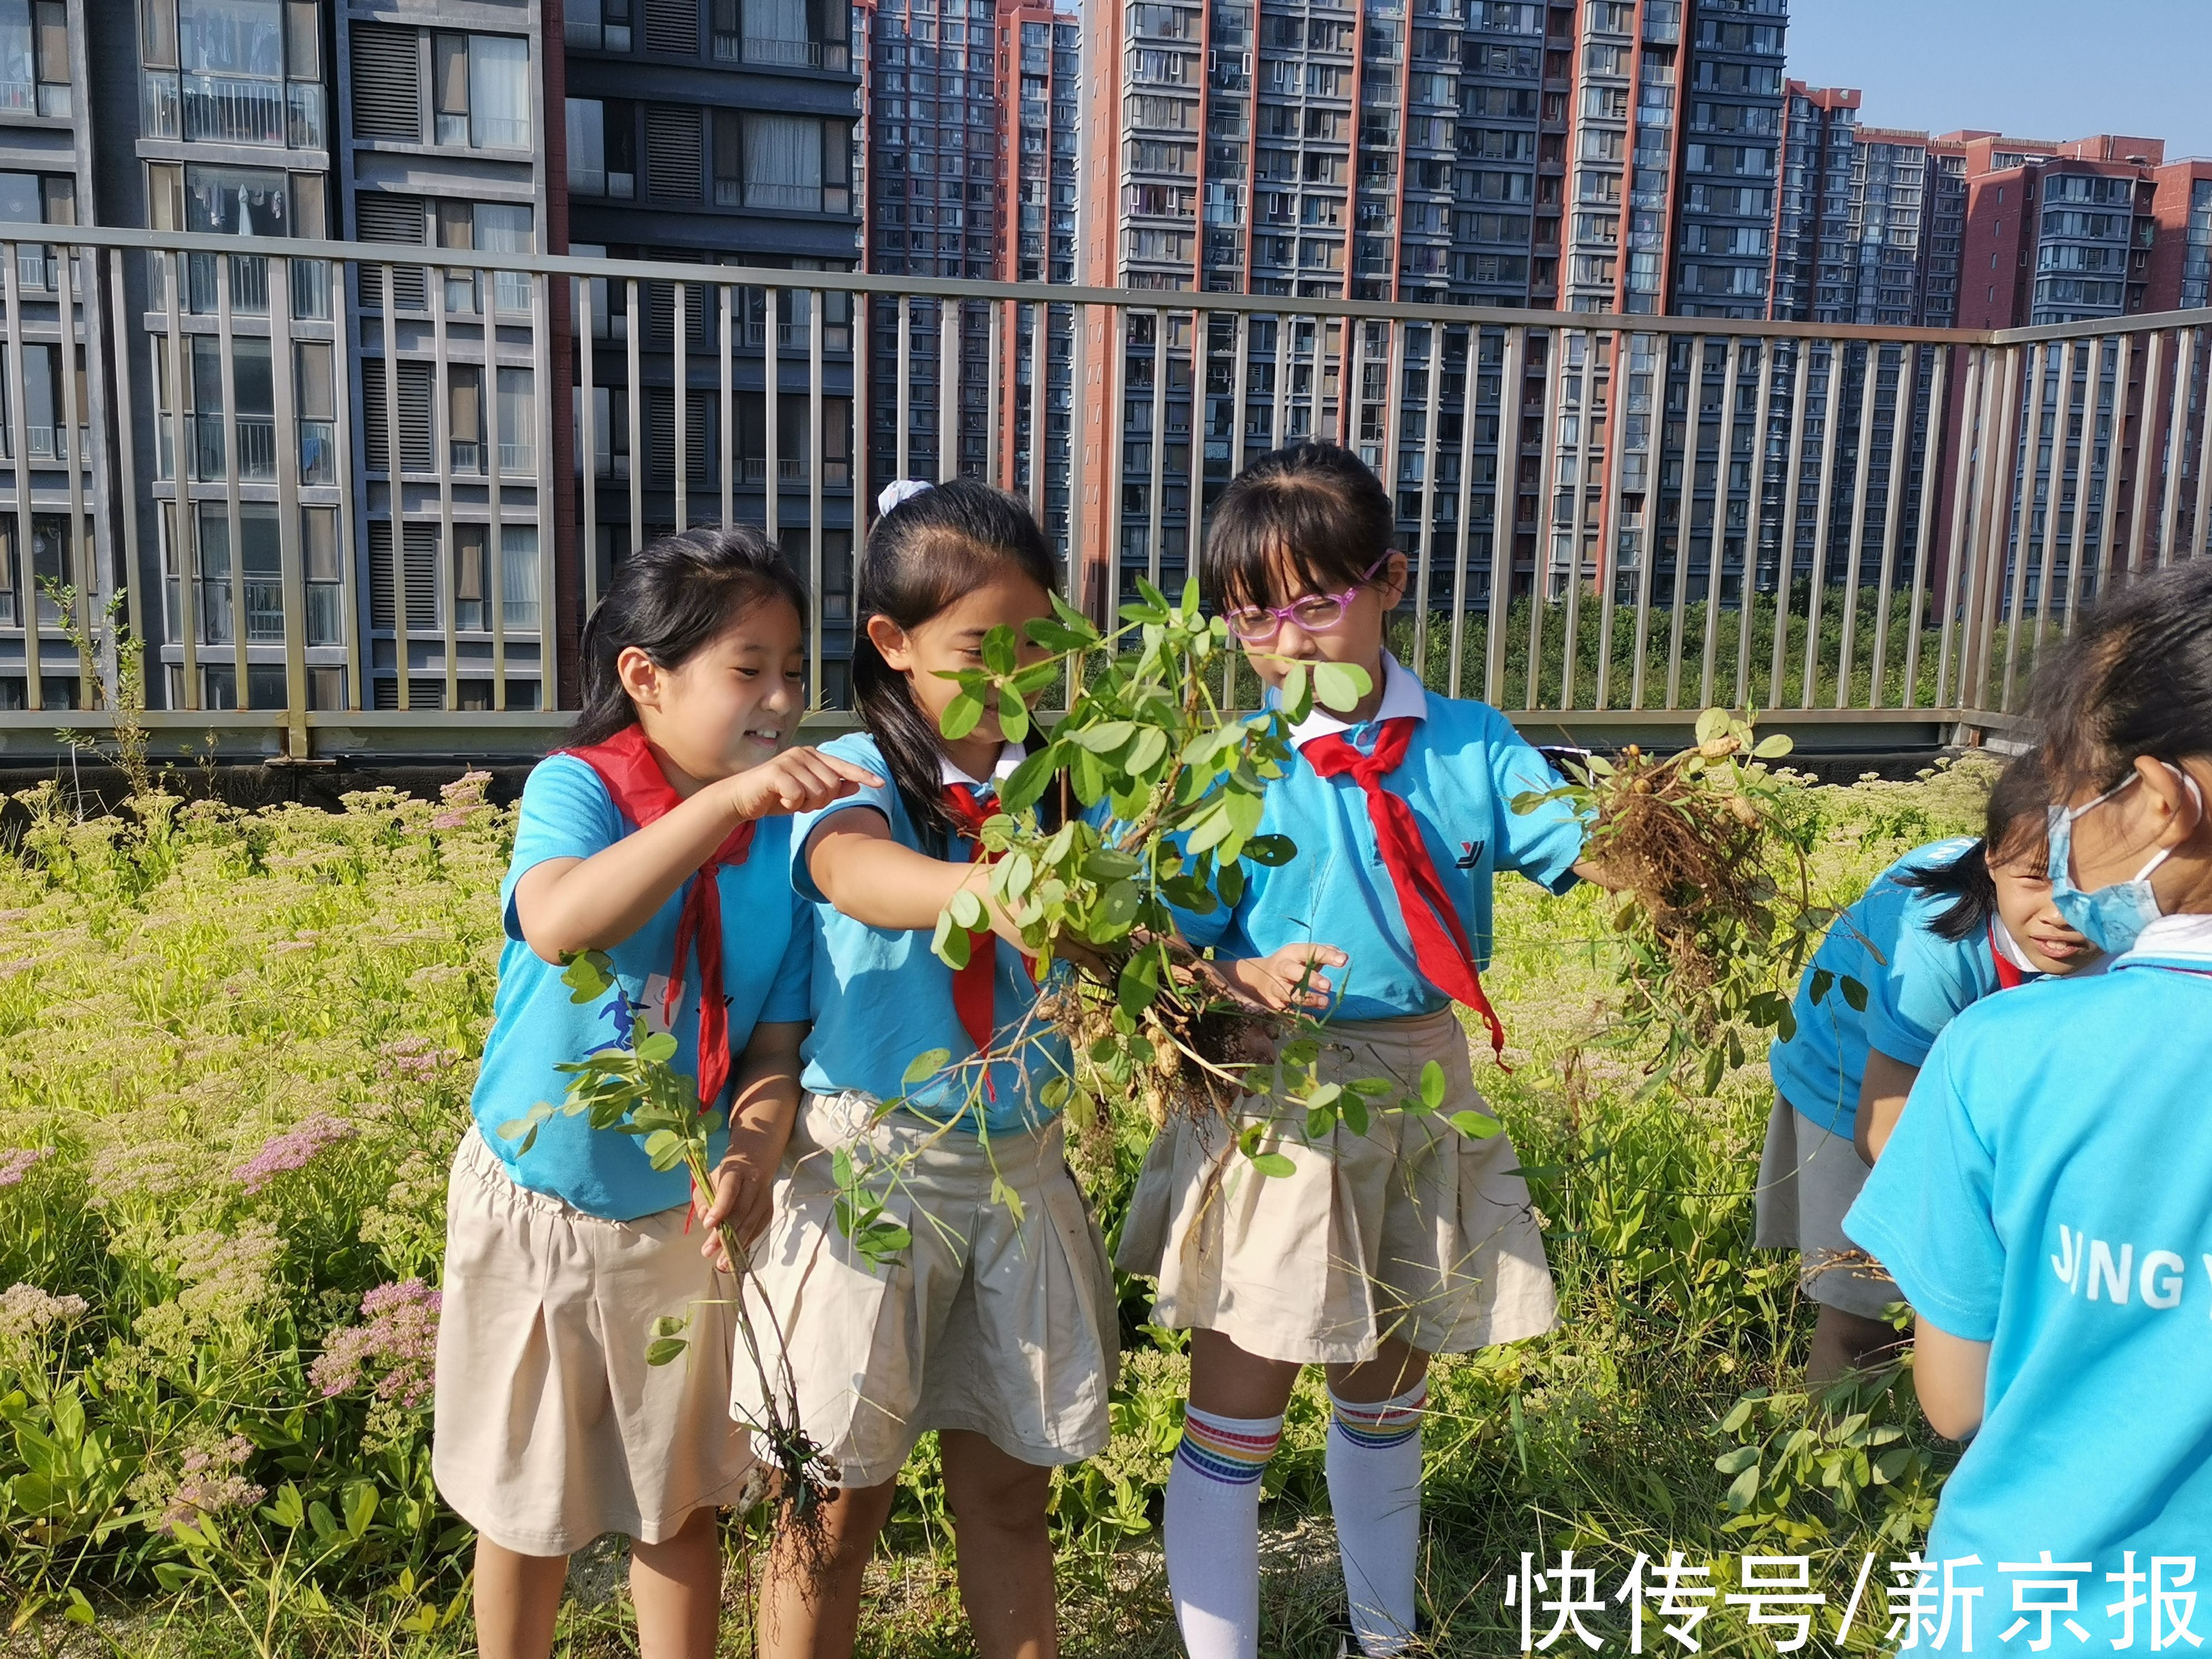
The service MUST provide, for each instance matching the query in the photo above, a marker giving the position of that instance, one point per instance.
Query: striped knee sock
(1374, 1462)
(1213, 1531)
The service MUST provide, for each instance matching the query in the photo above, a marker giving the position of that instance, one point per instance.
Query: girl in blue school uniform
(1411, 1239)
(1944, 926)
(656, 837)
(995, 1324)
(2045, 1200)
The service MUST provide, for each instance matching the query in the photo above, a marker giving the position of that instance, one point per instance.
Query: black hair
(1316, 508)
(920, 557)
(2013, 827)
(2134, 679)
(670, 599)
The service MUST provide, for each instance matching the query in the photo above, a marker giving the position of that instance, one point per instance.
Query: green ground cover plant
(235, 1054)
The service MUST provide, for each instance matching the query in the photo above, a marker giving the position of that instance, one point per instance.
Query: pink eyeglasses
(1316, 613)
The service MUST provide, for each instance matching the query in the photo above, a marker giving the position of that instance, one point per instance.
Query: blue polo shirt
(882, 999)
(1461, 770)
(1916, 980)
(2049, 1191)
(767, 954)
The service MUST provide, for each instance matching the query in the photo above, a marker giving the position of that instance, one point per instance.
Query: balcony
(1763, 520)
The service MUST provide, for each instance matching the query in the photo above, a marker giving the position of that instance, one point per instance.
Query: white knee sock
(1375, 1488)
(1213, 1531)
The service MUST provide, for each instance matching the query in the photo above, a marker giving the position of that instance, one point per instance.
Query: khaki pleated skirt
(1412, 1229)
(551, 1429)
(1808, 1178)
(1000, 1324)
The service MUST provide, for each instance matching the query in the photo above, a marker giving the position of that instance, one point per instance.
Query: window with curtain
(232, 37)
(19, 87)
(504, 227)
(783, 161)
(518, 574)
(517, 409)
(775, 31)
(499, 91)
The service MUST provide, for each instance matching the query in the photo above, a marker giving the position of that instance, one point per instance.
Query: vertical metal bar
(442, 454)
(1431, 418)
(1831, 457)
(1502, 513)
(1870, 387)
(1754, 517)
(1990, 548)
(2177, 439)
(2062, 426)
(816, 324)
(230, 471)
(998, 465)
(1393, 469)
(1110, 493)
(587, 445)
(1663, 365)
(727, 459)
(860, 328)
(292, 582)
(1923, 554)
(948, 390)
(1578, 522)
(1793, 487)
(2090, 355)
(1965, 470)
(1200, 515)
(1464, 525)
(634, 393)
(2141, 510)
(1610, 531)
(186, 528)
(82, 567)
(2123, 353)
(680, 378)
(541, 362)
(1240, 391)
(1900, 427)
(1351, 394)
(2016, 543)
(1159, 449)
(1555, 375)
(1716, 551)
(2197, 532)
(772, 416)
(905, 384)
(1693, 439)
(1040, 327)
(1285, 335)
(27, 560)
(495, 470)
(127, 445)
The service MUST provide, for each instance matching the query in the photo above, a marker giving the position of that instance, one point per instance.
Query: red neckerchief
(643, 794)
(1440, 942)
(973, 986)
(2009, 973)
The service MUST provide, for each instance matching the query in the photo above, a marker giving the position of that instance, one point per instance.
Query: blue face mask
(2111, 918)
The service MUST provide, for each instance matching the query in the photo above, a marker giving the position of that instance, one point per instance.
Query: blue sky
(2035, 69)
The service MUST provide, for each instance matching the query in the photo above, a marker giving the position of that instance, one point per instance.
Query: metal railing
(1872, 536)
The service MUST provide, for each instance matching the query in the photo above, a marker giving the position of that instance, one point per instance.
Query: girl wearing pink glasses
(1403, 1239)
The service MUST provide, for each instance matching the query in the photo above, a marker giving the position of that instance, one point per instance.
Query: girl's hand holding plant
(1291, 978)
(796, 781)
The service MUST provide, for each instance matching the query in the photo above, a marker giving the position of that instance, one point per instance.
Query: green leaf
(1475, 1126)
(1139, 982)
(1211, 830)
(1736, 1459)
(1855, 993)
(658, 1049)
(1340, 685)
(961, 715)
(1296, 693)
(952, 942)
(1712, 724)
(359, 1502)
(1354, 1109)
(1433, 1086)
(926, 1064)
(1149, 749)
(967, 910)
(663, 1349)
(998, 650)
(1274, 1163)
(1272, 851)
(1774, 747)
(1743, 1489)
(1823, 982)
(1025, 785)
(1013, 717)
(1104, 737)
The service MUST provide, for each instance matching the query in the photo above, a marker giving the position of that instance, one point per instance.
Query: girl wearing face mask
(1944, 926)
(2045, 1202)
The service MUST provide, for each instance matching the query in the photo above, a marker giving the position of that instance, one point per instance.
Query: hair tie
(900, 490)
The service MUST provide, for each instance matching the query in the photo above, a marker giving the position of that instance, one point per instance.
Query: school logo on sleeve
(1470, 855)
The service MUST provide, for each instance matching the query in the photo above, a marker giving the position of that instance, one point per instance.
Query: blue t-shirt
(2049, 1191)
(881, 999)
(1915, 987)
(767, 953)
(1462, 768)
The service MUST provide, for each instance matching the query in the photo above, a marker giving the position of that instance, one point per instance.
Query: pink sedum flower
(394, 1351)
(294, 1149)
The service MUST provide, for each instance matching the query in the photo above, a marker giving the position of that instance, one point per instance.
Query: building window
(789, 161)
(234, 71)
(599, 25)
(482, 84)
(34, 77)
(602, 148)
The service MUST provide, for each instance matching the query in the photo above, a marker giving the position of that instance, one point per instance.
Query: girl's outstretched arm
(874, 880)
(566, 905)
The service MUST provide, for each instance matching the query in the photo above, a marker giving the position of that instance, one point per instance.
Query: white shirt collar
(1402, 697)
(2188, 938)
(1010, 756)
(2009, 947)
